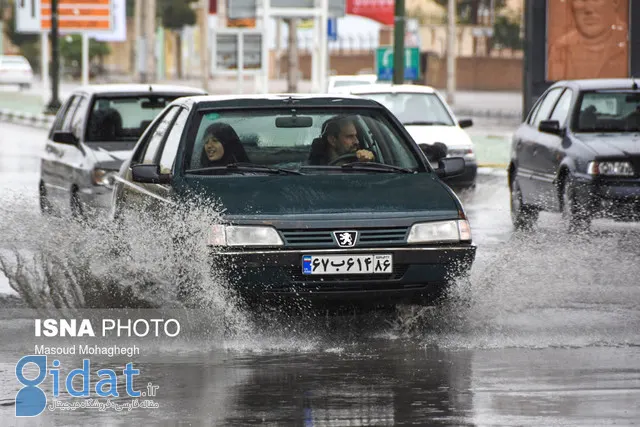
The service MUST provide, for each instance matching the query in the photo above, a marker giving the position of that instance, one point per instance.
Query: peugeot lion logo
(346, 239)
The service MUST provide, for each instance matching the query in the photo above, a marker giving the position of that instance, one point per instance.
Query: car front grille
(296, 275)
(369, 237)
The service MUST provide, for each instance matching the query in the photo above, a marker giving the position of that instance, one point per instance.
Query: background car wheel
(575, 214)
(76, 206)
(523, 216)
(45, 205)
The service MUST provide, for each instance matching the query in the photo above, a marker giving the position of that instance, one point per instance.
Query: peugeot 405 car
(94, 131)
(578, 152)
(323, 197)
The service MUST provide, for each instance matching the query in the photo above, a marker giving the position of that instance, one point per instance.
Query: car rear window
(14, 62)
(123, 118)
(278, 138)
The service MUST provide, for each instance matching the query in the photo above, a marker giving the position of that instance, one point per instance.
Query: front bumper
(608, 198)
(418, 273)
(96, 200)
(466, 179)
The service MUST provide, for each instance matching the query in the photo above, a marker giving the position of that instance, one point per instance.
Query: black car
(94, 131)
(302, 218)
(578, 153)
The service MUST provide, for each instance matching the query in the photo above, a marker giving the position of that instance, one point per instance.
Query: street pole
(1, 27)
(204, 44)
(292, 74)
(139, 41)
(451, 52)
(398, 43)
(150, 35)
(54, 103)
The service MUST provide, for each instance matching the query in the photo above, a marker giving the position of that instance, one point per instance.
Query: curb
(42, 121)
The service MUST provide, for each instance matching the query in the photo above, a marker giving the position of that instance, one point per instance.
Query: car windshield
(414, 108)
(608, 111)
(294, 140)
(123, 118)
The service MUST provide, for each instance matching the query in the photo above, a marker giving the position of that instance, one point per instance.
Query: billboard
(587, 39)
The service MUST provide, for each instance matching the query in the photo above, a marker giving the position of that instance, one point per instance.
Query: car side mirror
(435, 151)
(149, 174)
(64, 137)
(451, 166)
(465, 123)
(551, 126)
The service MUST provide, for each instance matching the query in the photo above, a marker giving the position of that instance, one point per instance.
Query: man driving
(339, 144)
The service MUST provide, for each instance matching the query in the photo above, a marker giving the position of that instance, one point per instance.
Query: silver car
(94, 130)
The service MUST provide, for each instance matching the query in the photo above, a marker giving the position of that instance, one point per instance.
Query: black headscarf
(233, 149)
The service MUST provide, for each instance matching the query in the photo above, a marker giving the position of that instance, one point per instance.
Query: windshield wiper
(375, 167)
(245, 167)
(426, 124)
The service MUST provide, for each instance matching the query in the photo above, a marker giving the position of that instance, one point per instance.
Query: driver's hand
(365, 156)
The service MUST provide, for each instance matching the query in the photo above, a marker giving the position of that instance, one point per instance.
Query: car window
(66, 122)
(547, 105)
(123, 118)
(608, 111)
(425, 108)
(78, 117)
(173, 142)
(534, 111)
(157, 137)
(280, 138)
(60, 116)
(561, 110)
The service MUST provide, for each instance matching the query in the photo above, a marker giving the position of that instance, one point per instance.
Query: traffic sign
(78, 15)
(332, 29)
(384, 63)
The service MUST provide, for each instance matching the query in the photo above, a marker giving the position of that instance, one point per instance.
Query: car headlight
(466, 153)
(440, 232)
(103, 177)
(244, 235)
(610, 168)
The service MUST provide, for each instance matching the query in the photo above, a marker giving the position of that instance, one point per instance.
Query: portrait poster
(587, 39)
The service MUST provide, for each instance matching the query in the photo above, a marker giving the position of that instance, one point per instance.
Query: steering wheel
(343, 157)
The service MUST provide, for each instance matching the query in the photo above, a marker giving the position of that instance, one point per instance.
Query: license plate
(347, 264)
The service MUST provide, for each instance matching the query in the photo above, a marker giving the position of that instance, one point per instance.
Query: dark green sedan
(324, 198)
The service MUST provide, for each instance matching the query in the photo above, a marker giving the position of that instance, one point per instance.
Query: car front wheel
(523, 216)
(575, 214)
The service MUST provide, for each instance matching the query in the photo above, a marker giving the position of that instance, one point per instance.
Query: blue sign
(332, 29)
(384, 63)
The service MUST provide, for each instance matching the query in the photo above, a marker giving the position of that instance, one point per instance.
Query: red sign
(213, 7)
(381, 11)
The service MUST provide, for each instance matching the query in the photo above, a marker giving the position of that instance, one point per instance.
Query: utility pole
(292, 75)
(1, 27)
(204, 44)
(398, 43)
(139, 40)
(451, 52)
(150, 30)
(54, 103)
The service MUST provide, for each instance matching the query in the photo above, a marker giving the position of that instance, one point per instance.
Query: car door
(550, 152)
(529, 146)
(53, 160)
(137, 194)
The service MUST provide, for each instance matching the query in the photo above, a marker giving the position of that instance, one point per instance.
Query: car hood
(110, 156)
(451, 136)
(612, 144)
(347, 193)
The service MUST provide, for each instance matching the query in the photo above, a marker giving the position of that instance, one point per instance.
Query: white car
(342, 84)
(428, 119)
(15, 70)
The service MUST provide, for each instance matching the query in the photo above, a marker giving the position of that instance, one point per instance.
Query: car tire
(76, 207)
(523, 216)
(576, 216)
(45, 205)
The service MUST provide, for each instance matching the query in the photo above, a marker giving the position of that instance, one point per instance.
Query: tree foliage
(71, 49)
(469, 11)
(506, 33)
(175, 14)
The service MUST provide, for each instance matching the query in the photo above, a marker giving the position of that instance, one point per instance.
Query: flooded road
(546, 332)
